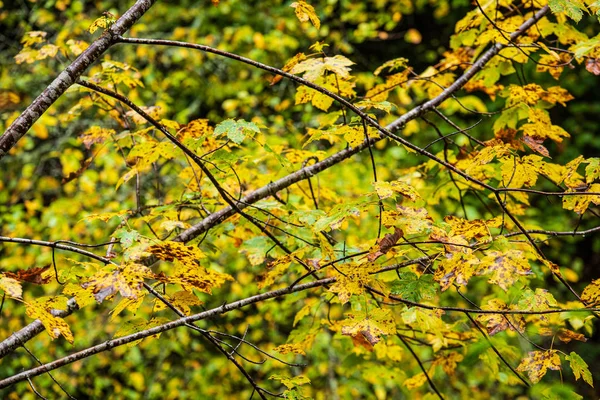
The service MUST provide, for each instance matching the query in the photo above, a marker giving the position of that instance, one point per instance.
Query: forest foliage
(308, 199)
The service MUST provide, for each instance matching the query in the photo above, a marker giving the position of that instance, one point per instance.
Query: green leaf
(415, 288)
(580, 368)
(236, 131)
(573, 8)
(127, 236)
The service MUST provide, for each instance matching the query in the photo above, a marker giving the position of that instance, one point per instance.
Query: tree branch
(69, 75)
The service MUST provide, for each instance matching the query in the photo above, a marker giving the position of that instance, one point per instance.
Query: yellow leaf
(457, 267)
(182, 300)
(369, 326)
(11, 287)
(389, 189)
(591, 294)
(495, 323)
(41, 309)
(505, 267)
(410, 220)
(305, 12)
(537, 363)
(415, 381)
(290, 348)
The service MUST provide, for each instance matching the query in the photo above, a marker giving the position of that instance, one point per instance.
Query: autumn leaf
(41, 308)
(505, 268)
(385, 244)
(126, 280)
(580, 368)
(456, 268)
(11, 286)
(369, 326)
(351, 280)
(305, 12)
(591, 294)
(537, 363)
(290, 349)
(313, 68)
(390, 189)
(409, 219)
(593, 66)
(536, 145)
(37, 275)
(182, 300)
(496, 323)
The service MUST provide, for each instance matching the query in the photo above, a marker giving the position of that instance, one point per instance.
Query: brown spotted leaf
(537, 363)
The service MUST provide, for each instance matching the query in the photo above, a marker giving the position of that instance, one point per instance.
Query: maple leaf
(580, 204)
(290, 348)
(592, 171)
(566, 335)
(592, 65)
(352, 280)
(456, 267)
(236, 131)
(409, 219)
(505, 267)
(305, 12)
(389, 189)
(495, 323)
(288, 66)
(127, 281)
(448, 361)
(313, 68)
(11, 286)
(537, 363)
(194, 276)
(580, 368)
(182, 300)
(41, 308)
(470, 229)
(591, 294)
(572, 8)
(414, 288)
(536, 145)
(369, 326)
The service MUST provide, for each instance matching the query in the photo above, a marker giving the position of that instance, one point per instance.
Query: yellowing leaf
(457, 267)
(127, 281)
(351, 280)
(410, 220)
(290, 348)
(389, 189)
(537, 363)
(580, 204)
(169, 251)
(313, 68)
(580, 368)
(305, 12)
(193, 276)
(103, 22)
(11, 286)
(591, 294)
(415, 381)
(505, 267)
(540, 127)
(41, 309)
(495, 323)
(182, 300)
(369, 326)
